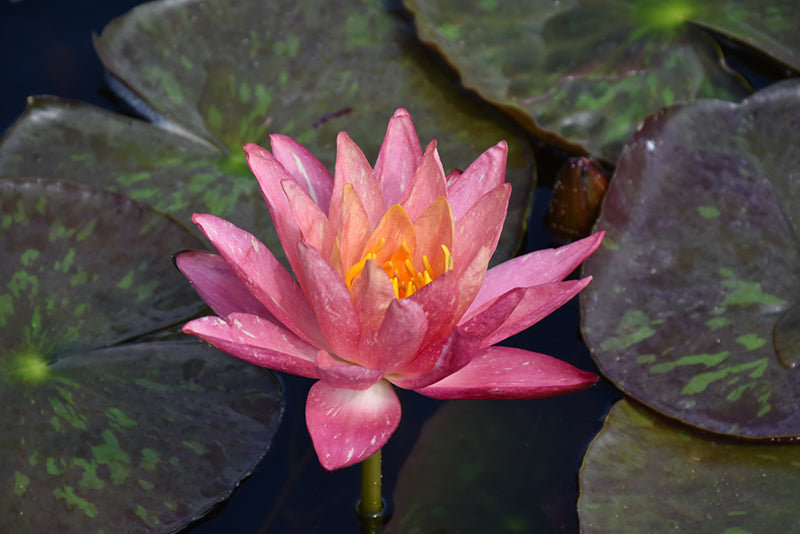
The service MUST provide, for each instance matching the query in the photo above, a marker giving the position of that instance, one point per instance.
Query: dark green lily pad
(644, 473)
(138, 437)
(216, 74)
(487, 466)
(83, 269)
(584, 74)
(692, 309)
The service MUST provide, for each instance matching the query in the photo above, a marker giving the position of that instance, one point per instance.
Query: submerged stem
(371, 503)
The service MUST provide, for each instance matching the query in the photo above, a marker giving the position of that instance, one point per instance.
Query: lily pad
(584, 74)
(135, 437)
(84, 269)
(644, 473)
(692, 309)
(216, 74)
(489, 466)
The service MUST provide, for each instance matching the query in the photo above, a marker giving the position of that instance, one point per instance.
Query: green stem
(371, 503)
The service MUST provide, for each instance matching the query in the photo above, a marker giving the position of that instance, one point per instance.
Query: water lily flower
(390, 286)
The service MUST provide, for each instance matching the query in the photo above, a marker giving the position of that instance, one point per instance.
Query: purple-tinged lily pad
(693, 306)
(132, 437)
(216, 74)
(83, 269)
(644, 473)
(135, 438)
(584, 74)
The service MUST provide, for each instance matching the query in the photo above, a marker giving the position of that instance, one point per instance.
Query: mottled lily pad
(692, 309)
(83, 269)
(489, 466)
(216, 74)
(644, 473)
(584, 74)
(131, 437)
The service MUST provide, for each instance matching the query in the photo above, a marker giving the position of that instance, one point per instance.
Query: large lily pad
(644, 473)
(83, 269)
(693, 306)
(136, 437)
(583, 74)
(215, 74)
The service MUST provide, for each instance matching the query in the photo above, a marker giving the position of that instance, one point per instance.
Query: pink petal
(535, 268)
(432, 229)
(442, 358)
(311, 220)
(353, 227)
(372, 293)
(452, 175)
(270, 173)
(262, 275)
(511, 373)
(480, 226)
(257, 341)
(469, 284)
(312, 175)
(486, 173)
(427, 185)
(330, 299)
(352, 168)
(482, 325)
(216, 283)
(339, 374)
(438, 300)
(347, 426)
(397, 340)
(398, 158)
(537, 303)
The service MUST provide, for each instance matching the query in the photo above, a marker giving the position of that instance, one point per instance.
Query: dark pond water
(46, 49)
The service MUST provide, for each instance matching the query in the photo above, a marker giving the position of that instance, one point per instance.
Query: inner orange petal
(392, 245)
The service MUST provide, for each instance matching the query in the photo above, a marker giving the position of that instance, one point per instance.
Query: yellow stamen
(405, 278)
(355, 271)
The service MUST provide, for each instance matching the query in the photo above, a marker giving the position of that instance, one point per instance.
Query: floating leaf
(644, 473)
(486, 466)
(584, 74)
(135, 438)
(84, 269)
(130, 438)
(699, 266)
(216, 74)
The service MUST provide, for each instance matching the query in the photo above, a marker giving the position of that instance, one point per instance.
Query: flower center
(405, 278)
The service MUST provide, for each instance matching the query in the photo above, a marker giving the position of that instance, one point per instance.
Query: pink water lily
(390, 286)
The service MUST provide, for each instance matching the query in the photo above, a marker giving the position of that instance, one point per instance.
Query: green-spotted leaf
(644, 473)
(693, 303)
(135, 437)
(584, 74)
(216, 74)
(83, 269)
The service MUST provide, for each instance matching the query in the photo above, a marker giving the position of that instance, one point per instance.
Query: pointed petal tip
(401, 112)
(275, 136)
(510, 373)
(253, 149)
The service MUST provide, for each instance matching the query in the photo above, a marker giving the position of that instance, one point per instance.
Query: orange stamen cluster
(405, 278)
